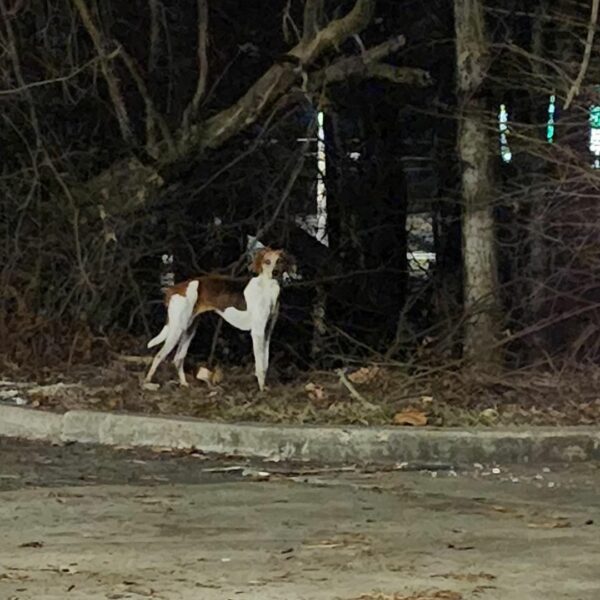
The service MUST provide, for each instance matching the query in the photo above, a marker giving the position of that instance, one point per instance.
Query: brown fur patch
(214, 292)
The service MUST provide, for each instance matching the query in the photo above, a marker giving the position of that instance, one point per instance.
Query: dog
(250, 306)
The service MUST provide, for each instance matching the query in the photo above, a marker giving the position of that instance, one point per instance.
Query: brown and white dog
(248, 305)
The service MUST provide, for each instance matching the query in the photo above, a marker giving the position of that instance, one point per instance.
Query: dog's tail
(160, 338)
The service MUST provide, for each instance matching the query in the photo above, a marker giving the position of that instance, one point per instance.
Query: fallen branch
(354, 392)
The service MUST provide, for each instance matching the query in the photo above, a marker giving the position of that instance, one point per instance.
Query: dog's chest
(261, 296)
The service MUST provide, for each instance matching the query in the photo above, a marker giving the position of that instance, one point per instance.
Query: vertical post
(321, 233)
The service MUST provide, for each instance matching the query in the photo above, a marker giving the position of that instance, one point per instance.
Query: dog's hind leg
(178, 319)
(182, 350)
(170, 343)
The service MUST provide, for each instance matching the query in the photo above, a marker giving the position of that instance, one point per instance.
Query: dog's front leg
(269, 332)
(258, 345)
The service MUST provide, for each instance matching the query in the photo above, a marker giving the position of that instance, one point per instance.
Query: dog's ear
(257, 261)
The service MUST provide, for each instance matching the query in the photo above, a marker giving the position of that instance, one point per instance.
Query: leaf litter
(370, 395)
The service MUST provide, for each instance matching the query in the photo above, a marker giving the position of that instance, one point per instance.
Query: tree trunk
(536, 268)
(482, 328)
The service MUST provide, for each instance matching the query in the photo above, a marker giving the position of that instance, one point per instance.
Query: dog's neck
(266, 277)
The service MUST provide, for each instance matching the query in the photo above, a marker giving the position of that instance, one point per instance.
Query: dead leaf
(471, 577)
(480, 589)
(139, 590)
(212, 377)
(556, 524)
(315, 392)
(218, 376)
(255, 475)
(454, 547)
(416, 418)
(12, 576)
(325, 544)
(31, 545)
(347, 539)
(204, 374)
(364, 375)
(67, 569)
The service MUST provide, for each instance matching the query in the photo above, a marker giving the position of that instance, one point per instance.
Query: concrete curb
(331, 445)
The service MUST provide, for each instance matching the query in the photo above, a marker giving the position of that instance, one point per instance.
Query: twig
(132, 359)
(354, 392)
(153, 117)
(215, 339)
(154, 35)
(287, 21)
(111, 80)
(313, 13)
(589, 42)
(16, 62)
(191, 111)
(74, 73)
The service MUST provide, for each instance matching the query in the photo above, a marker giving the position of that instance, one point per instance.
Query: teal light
(595, 135)
(550, 122)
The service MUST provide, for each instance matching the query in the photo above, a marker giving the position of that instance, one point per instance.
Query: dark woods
(134, 130)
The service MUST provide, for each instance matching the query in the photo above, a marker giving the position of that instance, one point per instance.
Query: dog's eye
(267, 261)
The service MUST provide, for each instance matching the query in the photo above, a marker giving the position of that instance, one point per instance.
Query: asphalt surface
(88, 522)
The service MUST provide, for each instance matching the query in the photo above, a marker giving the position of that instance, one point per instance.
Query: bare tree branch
(154, 35)
(383, 50)
(43, 82)
(139, 183)
(404, 75)
(288, 22)
(336, 32)
(111, 79)
(153, 117)
(277, 80)
(587, 53)
(191, 111)
(366, 65)
(313, 14)
(16, 62)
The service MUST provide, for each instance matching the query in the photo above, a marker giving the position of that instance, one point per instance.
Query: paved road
(91, 523)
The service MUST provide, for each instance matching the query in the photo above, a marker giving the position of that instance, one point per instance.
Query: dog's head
(277, 264)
